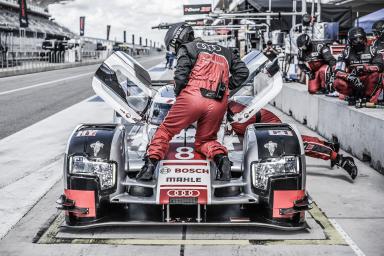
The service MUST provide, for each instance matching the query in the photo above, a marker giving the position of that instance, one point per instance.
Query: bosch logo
(165, 170)
(183, 193)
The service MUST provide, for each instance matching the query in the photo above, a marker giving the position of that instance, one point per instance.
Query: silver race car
(267, 188)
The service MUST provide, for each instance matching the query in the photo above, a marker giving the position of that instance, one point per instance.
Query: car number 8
(184, 153)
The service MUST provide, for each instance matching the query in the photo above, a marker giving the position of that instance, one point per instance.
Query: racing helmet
(178, 34)
(357, 38)
(378, 28)
(303, 42)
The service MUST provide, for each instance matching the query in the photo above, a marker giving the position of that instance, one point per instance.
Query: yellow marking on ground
(333, 237)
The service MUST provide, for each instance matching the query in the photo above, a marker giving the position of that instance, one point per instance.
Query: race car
(267, 188)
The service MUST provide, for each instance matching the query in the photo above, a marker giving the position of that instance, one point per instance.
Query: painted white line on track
(347, 238)
(45, 83)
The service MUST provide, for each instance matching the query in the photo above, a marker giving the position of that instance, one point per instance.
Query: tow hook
(67, 204)
(300, 205)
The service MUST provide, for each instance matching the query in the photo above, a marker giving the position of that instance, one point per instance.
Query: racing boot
(335, 146)
(348, 164)
(146, 172)
(224, 166)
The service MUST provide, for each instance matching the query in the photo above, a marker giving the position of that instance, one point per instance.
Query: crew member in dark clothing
(378, 32)
(316, 60)
(202, 84)
(270, 52)
(313, 146)
(358, 68)
(377, 48)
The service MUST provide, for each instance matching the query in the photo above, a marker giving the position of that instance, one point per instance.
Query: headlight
(264, 169)
(105, 171)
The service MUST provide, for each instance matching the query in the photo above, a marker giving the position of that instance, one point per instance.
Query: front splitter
(319, 232)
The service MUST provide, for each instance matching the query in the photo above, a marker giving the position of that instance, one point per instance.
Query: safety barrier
(15, 63)
(360, 131)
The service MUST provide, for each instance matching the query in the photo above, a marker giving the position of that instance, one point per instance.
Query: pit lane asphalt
(354, 207)
(27, 99)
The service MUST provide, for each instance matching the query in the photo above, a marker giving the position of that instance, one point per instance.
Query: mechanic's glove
(355, 81)
(359, 70)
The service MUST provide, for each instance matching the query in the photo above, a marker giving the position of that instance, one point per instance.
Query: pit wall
(360, 131)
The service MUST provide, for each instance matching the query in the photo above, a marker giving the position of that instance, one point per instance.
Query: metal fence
(12, 61)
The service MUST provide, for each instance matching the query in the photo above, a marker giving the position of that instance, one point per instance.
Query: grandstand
(40, 27)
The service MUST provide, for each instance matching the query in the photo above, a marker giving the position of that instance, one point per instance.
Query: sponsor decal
(209, 47)
(82, 25)
(86, 133)
(23, 17)
(271, 146)
(199, 22)
(165, 170)
(366, 56)
(183, 179)
(108, 31)
(309, 147)
(280, 133)
(191, 170)
(96, 147)
(192, 9)
(183, 193)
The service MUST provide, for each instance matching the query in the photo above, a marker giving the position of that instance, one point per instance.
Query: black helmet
(269, 42)
(177, 35)
(357, 38)
(303, 42)
(378, 28)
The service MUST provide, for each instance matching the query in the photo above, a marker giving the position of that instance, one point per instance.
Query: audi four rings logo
(165, 170)
(183, 193)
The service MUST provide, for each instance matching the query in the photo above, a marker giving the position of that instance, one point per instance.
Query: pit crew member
(313, 146)
(378, 32)
(202, 84)
(358, 68)
(316, 60)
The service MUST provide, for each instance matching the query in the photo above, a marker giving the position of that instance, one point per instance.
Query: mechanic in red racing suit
(313, 146)
(316, 60)
(358, 69)
(202, 84)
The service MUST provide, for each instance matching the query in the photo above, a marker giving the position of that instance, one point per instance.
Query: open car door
(264, 73)
(125, 85)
